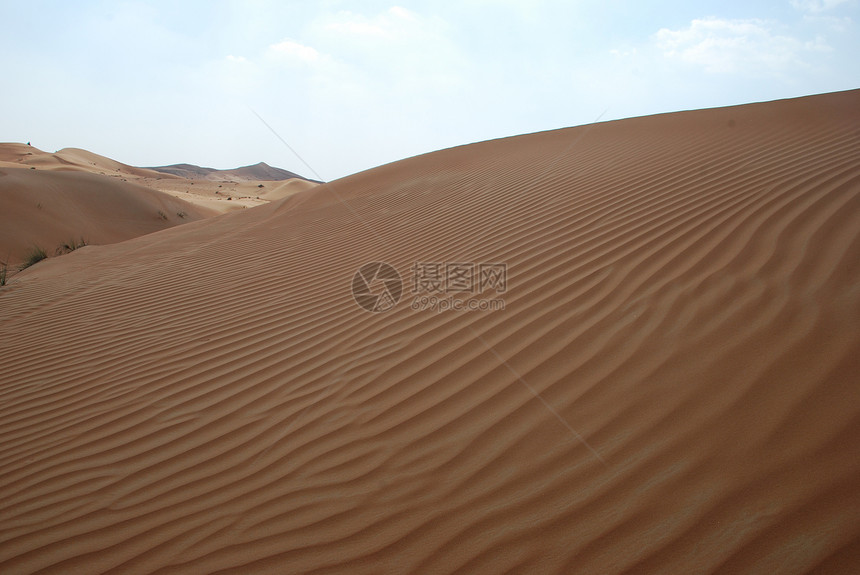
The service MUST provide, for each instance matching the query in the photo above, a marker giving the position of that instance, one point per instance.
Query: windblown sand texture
(671, 388)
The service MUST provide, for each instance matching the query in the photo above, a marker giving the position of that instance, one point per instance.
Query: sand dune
(670, 388)
(69, 159)
(51, 199)
(46, 208)
(247, 186)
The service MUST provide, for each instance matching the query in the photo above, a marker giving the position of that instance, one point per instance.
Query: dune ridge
(670, 388)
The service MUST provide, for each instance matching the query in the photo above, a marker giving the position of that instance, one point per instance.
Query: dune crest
(670, 388)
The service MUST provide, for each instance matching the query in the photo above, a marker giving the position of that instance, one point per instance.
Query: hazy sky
(352, 85)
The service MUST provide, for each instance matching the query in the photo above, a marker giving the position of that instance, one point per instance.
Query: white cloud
(396, 23)
(624, 52)
(816, 6)
(294, 51)
(730, 46)
(392, 53)
(830, 23)
(395, 42)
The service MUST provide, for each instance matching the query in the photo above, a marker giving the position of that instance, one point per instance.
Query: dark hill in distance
(261, 171)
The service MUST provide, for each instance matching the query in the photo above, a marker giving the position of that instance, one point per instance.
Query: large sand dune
(671, 387)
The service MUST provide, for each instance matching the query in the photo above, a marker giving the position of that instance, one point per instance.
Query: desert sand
(74, 196)
(671, 386)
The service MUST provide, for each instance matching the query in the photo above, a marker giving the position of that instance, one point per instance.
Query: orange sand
(671, 387)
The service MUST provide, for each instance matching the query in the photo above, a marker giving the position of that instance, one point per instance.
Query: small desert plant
(36, 255)
(162, 215)
(181, 214)
(4, 271)
(71, 246)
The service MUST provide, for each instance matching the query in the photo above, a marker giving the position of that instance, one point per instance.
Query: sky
(353, 85)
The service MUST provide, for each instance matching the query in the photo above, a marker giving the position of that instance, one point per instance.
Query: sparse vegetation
(162, 215)
(70, 246)
(2, 274)
(36, 255)
(182, 215)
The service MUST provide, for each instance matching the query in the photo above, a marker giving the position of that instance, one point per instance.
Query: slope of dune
(670, 387)
(69, 159)
(46, 208)
(51, 199)
(96, 163)
(280, 190)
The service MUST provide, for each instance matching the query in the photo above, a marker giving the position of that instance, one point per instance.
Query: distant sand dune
(72, 195)
(683, 296)
(46, 208)
(260, 171)
(68, 159)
